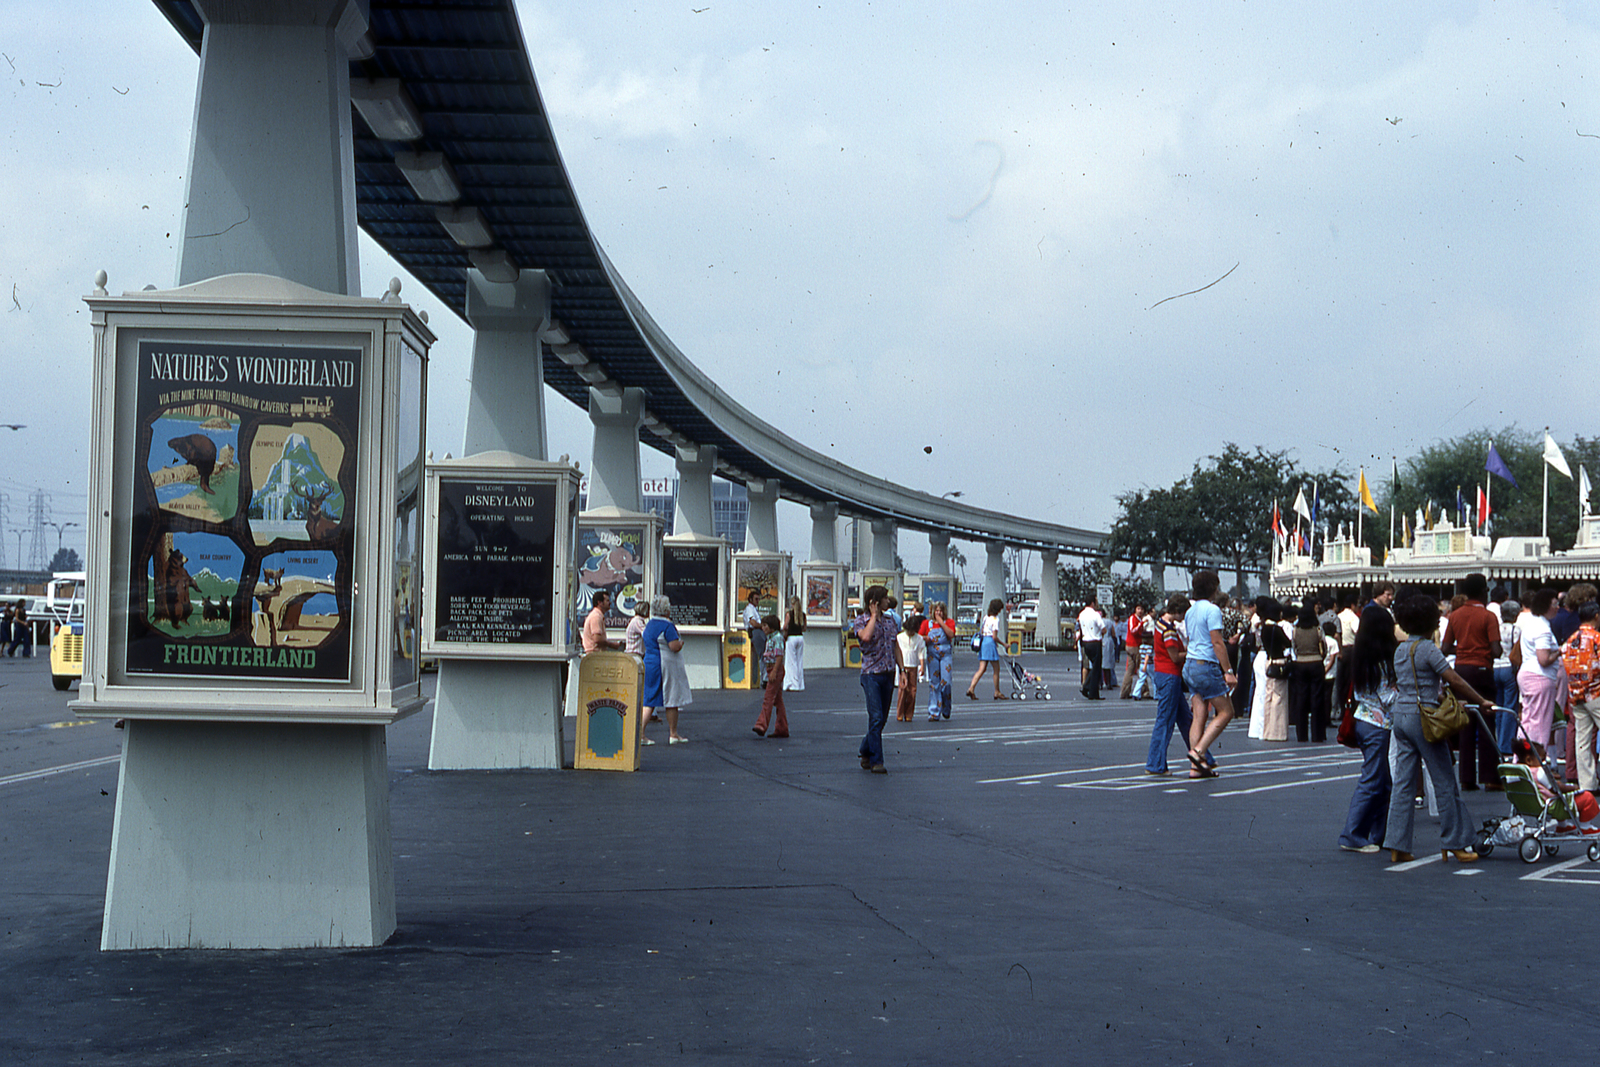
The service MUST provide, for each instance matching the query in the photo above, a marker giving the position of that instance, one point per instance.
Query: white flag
(1553, 456)
(1302, 509)
(1583, 490)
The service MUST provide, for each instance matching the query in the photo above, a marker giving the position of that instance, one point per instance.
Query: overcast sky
(887, 226)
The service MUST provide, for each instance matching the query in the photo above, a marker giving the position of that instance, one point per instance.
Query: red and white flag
(1483, 507)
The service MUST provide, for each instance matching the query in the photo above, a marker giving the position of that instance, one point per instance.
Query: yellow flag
(1366, 493)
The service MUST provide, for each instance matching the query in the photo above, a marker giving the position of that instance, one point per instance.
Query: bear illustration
(201, 451)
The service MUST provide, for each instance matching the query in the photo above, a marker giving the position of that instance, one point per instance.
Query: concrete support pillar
(492, 714)
(271, 168)
(614, 467)
(696, 465)
(938, 552)
(761, 529)
(994, 573)
(1049, 624)
(884, 544)
(861, 556)
(505, 410)
(825, 531)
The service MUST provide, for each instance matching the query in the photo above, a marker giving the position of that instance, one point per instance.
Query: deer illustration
(318, 526)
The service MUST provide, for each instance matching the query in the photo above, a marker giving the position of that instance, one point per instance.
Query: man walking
(877, 637)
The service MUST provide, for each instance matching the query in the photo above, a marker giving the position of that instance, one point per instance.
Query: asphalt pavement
(1015, 889)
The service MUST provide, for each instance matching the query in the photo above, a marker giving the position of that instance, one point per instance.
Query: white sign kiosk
(253, 528)
(499, 595)
(694, 576)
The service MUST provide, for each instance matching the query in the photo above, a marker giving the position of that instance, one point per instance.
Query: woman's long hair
(1372, 655)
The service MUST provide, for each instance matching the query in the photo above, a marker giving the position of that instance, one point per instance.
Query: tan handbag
(1445, 719)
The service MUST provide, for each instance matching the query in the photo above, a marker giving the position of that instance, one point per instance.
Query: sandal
(971, 695)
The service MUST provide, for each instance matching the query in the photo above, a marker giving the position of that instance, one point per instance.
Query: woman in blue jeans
(1371, 674)
(1419, 670)
(1166, 669)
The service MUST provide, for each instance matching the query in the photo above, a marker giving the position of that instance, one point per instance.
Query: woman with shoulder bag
(1306, 710)
(1419, 668)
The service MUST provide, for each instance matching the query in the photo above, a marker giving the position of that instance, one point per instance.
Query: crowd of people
(1367, 670)
(16, 629)
(1302, 668)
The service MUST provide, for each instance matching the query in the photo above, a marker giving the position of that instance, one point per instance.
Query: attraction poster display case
(254, 510)
(619, 553)
(822, 589)
(766, 574)
(500, 581)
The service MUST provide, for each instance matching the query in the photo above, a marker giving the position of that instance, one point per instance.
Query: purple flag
(1495, 465)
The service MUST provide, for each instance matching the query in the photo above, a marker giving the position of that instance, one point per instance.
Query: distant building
(730, 505)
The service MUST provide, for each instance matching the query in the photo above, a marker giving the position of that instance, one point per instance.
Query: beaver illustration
(201, 451)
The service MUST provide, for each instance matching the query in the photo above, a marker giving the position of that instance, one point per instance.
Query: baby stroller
(1022, 678)
(1540, 825)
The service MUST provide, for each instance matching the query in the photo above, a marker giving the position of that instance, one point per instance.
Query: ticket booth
(254, 524)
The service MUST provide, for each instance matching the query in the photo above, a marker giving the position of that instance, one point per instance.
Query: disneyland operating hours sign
(495, 562)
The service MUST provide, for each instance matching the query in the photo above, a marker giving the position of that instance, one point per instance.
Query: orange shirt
(1581, 656)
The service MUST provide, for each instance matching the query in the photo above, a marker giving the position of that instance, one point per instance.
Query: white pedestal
(824, 650)
(702, 660)
(250, 835)
(497, 715)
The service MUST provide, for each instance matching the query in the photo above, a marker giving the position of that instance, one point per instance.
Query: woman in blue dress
(666, 680)
(989, 649)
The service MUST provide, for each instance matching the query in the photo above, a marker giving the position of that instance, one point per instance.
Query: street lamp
(61, 528)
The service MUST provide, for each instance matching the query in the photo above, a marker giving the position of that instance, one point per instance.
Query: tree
(1077, 584)
(66, 559)
(1157, 526)
(1429, 481)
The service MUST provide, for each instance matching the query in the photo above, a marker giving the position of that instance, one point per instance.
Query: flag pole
(1544, 529)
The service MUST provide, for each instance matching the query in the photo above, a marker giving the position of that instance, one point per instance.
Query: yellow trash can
(610, 685)
(737, 670)
(852, 650)
(1014, 641)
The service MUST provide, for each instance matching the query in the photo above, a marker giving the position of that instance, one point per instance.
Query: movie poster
(611, 560)
(242, 520)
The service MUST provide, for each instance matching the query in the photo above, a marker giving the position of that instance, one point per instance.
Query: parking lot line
(65, 768)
